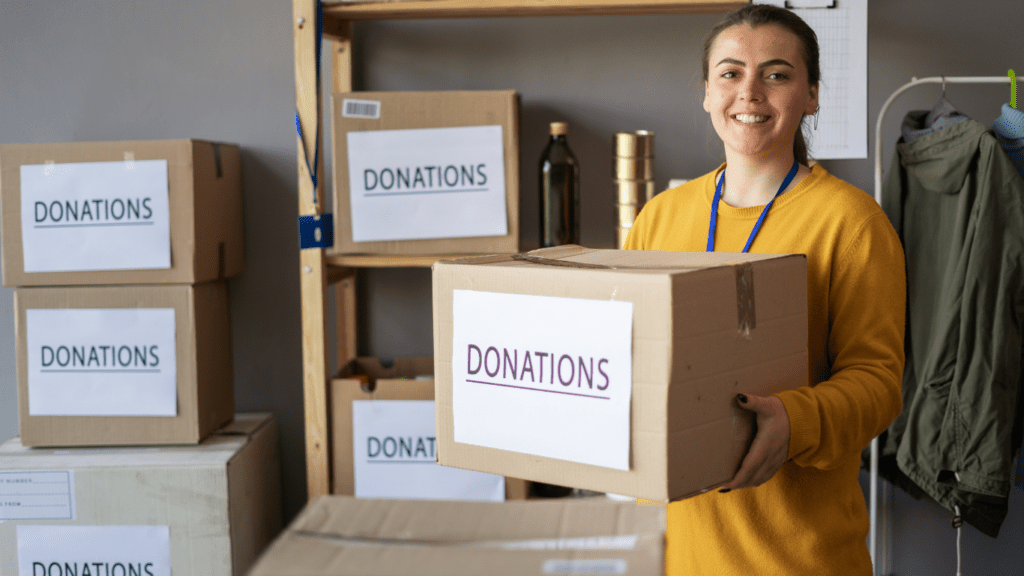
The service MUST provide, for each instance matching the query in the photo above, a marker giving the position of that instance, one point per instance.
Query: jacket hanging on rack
(957, 203)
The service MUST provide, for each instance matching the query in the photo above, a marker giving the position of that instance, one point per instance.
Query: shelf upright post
(311, 260)
(345, 288)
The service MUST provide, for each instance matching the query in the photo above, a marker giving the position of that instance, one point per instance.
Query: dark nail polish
(724, 490)
(742, 398)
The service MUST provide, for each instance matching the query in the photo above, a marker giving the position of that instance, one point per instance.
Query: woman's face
(757, 89)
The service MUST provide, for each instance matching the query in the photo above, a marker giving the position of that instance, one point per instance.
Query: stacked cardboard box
(120, 251)
(385, 443)
(206, 510)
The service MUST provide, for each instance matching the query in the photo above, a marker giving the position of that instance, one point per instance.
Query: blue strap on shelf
(298, 123)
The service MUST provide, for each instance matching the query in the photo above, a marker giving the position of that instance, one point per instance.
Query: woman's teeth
(748, 119)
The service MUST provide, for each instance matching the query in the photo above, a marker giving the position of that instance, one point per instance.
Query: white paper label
(596, 566)
(428, 183)
(394, 456)
(95, 216)
(351, 108)
(37, 495)
(543, 375)
(102, 362)
(94, 550)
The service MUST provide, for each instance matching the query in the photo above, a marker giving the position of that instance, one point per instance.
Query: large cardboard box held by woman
(612, 370)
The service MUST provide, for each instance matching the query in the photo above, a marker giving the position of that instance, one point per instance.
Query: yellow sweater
(810, 518)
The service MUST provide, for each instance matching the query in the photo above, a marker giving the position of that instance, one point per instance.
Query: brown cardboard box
(355, 537)
(221, 500)
(414, 110)
(399, 382)
(205, 210)
(203, 366)
(705, 326)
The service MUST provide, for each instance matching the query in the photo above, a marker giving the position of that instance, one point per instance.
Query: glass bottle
(559, 191)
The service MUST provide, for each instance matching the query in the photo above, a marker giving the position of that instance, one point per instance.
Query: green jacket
(957, 202)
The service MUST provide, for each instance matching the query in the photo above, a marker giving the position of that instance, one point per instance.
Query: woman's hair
(762, 14)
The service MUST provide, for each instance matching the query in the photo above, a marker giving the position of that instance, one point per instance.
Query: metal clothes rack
(1007, 80)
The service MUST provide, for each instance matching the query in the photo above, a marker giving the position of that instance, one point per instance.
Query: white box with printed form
(612, 370)
(206, 510)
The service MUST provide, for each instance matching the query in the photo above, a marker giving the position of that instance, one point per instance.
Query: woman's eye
(729, 74)
(777, 76)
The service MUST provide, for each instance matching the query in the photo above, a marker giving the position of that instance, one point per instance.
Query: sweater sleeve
(867, 307)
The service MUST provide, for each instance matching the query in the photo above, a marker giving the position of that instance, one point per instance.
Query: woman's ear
(812, 104)
(706, 109)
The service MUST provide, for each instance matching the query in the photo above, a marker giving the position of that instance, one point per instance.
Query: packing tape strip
(745, 298)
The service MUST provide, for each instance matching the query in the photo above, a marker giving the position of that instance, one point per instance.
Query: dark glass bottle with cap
(559, 191)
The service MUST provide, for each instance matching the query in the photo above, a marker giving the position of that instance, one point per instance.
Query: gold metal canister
(633, 170)
(638, 144)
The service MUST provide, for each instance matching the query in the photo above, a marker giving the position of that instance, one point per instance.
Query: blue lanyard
(757, 227)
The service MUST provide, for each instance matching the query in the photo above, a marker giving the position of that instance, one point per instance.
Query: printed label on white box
(394, 451)
(102, 362)
(94, 550)
(427, 183)
(37, 495)
(543, 375)
(95, 216)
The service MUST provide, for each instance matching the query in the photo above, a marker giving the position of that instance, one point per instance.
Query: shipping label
(543, 375)
(427, 183)
(94, 550)
(37, 495)
(394, 451)
(102, 362)
(95, 216)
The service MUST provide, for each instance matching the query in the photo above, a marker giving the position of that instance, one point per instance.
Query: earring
(816, 117)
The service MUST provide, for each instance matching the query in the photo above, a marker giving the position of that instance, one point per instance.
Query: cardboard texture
(395, 383)
(355, 537)
(408, 110)
(205, 387)
(698, 340)
(221, 499)
(205, 195)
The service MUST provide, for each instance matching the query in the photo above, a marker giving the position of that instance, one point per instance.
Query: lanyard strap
(757, 226)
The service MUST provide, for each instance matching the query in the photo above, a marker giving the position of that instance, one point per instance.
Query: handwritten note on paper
(543, 375)
(102, 362)
(395, 457)
(95, 216)
(427, 183)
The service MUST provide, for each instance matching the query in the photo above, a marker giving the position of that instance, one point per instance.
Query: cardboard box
(402, 381)
(221, 500)
(76, 230)
(365, 112)
(355, 537)
(700, 328)
(94, 364)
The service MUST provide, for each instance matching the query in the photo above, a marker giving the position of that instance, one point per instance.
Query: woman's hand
(770, 448)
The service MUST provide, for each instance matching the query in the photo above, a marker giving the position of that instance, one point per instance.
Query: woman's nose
(751, 89)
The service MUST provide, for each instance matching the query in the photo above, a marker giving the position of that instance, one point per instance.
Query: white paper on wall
(543, 375)
(106, 550)
(95, 216)
(427, 183)
(394, 451)
(37, 495)
(102, 362)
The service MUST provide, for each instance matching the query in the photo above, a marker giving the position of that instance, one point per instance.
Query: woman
(794, 506)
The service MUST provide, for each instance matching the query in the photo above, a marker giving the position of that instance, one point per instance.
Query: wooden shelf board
(514, 8)
(384, 261)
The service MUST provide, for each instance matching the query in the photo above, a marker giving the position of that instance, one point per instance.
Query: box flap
(216, 450)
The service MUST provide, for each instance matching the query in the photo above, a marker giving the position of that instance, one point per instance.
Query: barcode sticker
(360, 109)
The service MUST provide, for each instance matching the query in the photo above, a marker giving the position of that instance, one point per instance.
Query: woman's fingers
(770, 448)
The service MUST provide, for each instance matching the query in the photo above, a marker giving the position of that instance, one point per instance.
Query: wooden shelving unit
(319, 273)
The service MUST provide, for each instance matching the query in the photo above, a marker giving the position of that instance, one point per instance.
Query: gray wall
(223, 70)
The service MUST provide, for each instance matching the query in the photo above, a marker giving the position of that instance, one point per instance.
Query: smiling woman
(794, 506)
